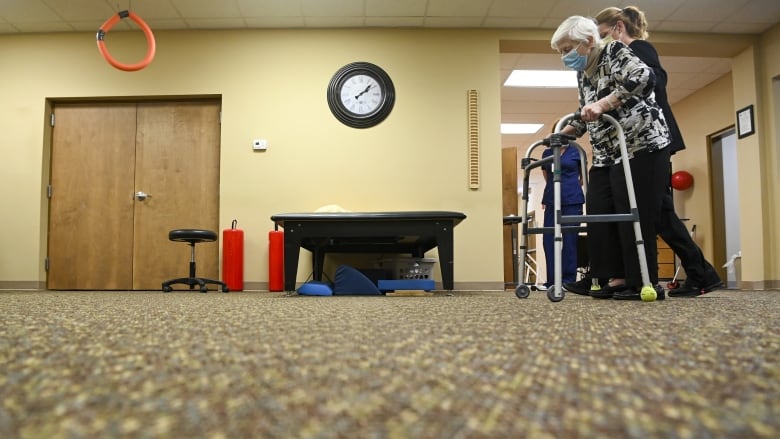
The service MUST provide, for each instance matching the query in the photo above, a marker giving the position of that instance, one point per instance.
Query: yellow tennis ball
(648, 294)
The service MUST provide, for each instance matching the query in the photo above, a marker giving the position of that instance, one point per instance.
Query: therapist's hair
(575, 28)
(633, 20)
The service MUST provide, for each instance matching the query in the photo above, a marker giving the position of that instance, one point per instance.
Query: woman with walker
(613, 80)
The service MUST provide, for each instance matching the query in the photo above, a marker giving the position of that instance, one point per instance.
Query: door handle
(141, 195)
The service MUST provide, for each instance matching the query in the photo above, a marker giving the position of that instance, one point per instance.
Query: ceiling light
(542, 78)
(520, 128)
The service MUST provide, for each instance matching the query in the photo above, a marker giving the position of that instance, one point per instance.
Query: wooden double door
(122, 176)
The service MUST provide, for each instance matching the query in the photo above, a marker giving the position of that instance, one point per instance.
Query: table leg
(318, 264)
(292, 248)
(444, 243)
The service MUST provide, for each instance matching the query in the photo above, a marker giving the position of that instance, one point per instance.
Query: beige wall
(273, 86)
(769, 121)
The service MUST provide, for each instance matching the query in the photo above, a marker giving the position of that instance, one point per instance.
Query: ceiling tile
(332, 8)
(394, 21)
(458, 8)
(216, 23)
(517, 23)
(702, 11)
(94, 25)
(206, 9)
(275, 22)
(154, 10)
(757, 11)
(76, 10)
(567, 8)
(269, 8)
(685, 26)
(168, 24)
(27, 11)
(334, 21)
(397, 8)
(453, 21)
(514, 8)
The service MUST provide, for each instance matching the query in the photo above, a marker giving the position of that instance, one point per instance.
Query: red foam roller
(275, 260)
(233, 257)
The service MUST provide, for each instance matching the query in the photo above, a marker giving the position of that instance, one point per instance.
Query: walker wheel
(551, 294)
(648, 294)
(522, 292)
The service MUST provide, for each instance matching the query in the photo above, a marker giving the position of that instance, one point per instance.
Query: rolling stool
(192, 236)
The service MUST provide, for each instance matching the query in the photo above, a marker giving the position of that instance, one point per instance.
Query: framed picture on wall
(745, 123)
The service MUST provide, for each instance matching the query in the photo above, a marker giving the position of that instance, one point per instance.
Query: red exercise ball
(682, 180)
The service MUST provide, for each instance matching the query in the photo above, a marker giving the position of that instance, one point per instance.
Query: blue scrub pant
(569, 252)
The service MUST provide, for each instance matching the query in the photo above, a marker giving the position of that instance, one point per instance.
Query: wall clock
(361, 95)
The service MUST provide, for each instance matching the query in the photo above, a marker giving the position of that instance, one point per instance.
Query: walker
(574, 222)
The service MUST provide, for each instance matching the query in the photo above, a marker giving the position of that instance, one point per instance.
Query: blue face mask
(574, 60)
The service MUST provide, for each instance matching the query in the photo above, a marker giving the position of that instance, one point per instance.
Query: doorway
(122, 176)
(725, 192)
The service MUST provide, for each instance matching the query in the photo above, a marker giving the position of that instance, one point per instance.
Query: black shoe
(692, 289)
(581, 287)
(634, 294)
(607, 291)
(712, 285)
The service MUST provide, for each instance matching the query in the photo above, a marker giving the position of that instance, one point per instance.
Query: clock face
(361, 95)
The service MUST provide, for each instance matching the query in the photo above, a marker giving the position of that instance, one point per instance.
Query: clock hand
(364, 91)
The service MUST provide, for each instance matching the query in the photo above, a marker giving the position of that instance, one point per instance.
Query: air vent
(473, 133)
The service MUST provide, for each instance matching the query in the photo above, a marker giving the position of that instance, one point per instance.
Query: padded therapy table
(367, 232)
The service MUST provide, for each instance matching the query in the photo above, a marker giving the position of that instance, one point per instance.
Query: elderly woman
(612, 80)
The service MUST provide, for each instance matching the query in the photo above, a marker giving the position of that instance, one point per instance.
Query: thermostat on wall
(259, 144)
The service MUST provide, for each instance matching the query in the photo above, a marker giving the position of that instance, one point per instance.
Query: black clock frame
(367, 120)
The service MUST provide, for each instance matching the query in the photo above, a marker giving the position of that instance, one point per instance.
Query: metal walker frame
(574, 222)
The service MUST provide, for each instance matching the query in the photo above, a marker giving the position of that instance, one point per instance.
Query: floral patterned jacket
(620, 73)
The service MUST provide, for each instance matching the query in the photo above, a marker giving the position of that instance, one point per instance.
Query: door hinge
(51, 119)
(46, 264)
(48, 191)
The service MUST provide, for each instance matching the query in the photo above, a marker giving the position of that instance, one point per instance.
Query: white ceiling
(518, 105)
(709, 16)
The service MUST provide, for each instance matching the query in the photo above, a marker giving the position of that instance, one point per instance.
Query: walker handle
(558, 139)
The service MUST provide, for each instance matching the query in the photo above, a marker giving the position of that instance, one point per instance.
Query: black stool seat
(192, 237)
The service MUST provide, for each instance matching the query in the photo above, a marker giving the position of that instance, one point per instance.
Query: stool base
(201, 282)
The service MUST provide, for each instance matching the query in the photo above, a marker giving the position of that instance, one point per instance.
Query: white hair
(575, 28)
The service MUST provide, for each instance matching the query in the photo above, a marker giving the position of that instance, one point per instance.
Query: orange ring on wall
(151, 47)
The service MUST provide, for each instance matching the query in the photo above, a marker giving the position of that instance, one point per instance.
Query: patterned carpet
(460, 365)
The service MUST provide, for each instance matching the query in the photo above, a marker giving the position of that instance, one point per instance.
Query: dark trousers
(569, 248)
(697, 269)
(612, 246)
